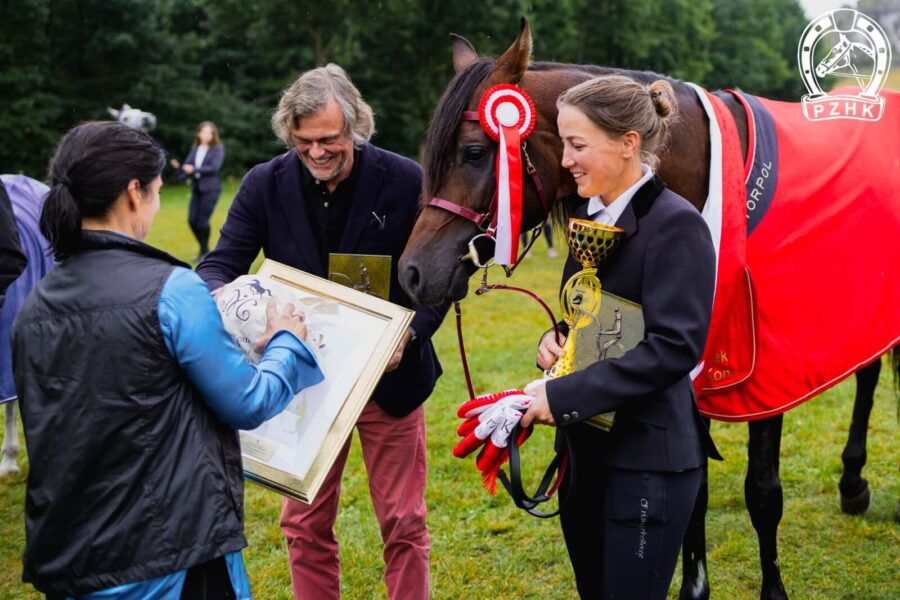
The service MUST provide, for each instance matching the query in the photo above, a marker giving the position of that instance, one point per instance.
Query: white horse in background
(27, 198)
(133, 117)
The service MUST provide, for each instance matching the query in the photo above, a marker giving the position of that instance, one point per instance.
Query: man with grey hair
(334, 192)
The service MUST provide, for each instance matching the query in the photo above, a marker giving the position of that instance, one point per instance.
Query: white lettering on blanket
(758, 187)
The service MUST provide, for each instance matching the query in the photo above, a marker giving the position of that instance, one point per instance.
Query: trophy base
(603, 421)
(618, 327)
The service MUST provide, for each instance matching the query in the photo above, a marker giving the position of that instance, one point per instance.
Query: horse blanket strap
(822, 222)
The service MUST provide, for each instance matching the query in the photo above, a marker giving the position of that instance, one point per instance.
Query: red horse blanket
(807, 233)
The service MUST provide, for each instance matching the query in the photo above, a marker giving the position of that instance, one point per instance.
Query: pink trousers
(394, 453)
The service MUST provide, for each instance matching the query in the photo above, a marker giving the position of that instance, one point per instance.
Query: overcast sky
(814, 8)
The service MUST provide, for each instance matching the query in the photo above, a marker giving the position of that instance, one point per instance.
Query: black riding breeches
(624, 528)
(200, 211)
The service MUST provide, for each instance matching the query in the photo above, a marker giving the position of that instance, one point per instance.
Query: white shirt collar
(200, 156)
(608, 215)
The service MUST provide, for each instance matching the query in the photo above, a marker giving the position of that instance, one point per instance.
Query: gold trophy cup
(590, 244)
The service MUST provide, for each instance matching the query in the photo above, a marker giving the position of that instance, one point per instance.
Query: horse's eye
(474, 153)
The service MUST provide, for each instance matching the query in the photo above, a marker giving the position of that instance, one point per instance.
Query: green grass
(482, 547)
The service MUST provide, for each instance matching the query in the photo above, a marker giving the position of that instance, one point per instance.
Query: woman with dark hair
(202, 166)
(635, 485)
(131, 391)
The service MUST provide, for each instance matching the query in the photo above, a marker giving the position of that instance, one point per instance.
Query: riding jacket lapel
(368, 185)
(290, 191)
(639, 206)
(628, 222)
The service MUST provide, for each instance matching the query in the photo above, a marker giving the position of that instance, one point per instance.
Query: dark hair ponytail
(61, 220)
(90, 169)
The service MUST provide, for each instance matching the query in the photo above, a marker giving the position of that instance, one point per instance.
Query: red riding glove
(489, 422)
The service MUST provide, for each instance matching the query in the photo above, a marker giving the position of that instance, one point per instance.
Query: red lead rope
(529, 504)
(462, 349)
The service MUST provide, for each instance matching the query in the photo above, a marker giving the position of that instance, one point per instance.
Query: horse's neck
(685, 164)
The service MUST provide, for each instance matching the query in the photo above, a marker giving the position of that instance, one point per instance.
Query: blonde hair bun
(663, 97)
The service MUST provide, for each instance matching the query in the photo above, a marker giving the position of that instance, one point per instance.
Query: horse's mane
(441, 137)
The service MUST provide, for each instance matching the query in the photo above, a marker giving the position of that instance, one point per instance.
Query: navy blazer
(268, 213)
(206, 178)
(666, 263)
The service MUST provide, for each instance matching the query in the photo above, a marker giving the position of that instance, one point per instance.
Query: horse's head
(837, 58)
(134, 117)
(460, 169)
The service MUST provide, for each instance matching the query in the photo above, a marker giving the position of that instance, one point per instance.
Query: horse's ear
(463, 53)
(512, 65)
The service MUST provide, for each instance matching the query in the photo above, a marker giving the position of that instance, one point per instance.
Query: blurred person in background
(202, 167)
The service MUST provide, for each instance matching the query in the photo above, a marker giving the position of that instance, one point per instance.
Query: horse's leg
(694, 582)
(762, 492)
(10, 450)
(855, 494)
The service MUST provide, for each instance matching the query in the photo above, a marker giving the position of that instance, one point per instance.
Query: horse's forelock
(441, 137)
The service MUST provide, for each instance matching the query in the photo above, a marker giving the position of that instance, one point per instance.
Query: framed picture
(353, 334)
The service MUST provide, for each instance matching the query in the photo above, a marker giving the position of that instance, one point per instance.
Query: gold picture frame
(385, 324)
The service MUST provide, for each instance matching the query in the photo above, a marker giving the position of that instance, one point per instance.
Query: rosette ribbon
(507, 115)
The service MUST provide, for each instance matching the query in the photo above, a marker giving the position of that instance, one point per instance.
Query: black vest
(131, 475)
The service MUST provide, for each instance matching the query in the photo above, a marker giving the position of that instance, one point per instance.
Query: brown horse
(459, 160)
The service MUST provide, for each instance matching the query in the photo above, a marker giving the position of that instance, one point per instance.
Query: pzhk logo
(860, 52)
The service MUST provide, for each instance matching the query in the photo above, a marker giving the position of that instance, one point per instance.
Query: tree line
(65, 61)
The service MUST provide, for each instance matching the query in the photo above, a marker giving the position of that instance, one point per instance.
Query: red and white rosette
(507, 114)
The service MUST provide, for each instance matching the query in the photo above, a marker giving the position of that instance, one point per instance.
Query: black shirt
(328, 211)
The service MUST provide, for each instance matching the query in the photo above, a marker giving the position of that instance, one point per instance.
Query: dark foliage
(64, 61)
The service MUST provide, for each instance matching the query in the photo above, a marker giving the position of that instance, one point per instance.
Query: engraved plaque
(367, 273)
